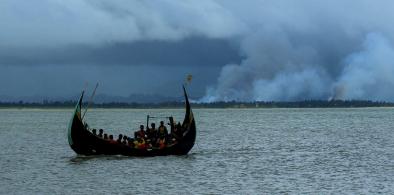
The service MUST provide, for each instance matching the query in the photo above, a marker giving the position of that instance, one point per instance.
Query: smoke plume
(300, 51)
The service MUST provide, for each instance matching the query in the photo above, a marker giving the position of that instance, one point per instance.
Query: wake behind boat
(84, 142)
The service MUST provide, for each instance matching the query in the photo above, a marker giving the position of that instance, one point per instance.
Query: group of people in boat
(149, 138)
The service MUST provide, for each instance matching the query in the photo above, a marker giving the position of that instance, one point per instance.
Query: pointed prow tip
(81, 97)
(185, 93)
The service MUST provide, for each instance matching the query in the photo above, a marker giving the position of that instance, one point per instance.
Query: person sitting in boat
(140, 133)
(151, 133)
(119, 140)
(101, 131)
(130, 142)
(86, 125)
(111, 139)
(140, 143)
(179, 127)
(124, 140)
(161, 142)
(176, 133)
(105, 136)
(94, 132)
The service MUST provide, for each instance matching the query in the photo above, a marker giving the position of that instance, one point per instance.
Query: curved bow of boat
(77, 134)
(189, 129)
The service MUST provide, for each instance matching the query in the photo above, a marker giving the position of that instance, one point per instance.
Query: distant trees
(231, 104)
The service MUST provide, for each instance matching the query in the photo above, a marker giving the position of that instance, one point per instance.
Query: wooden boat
(84, 142)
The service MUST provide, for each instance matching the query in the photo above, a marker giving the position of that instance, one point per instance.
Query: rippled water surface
(251, 151)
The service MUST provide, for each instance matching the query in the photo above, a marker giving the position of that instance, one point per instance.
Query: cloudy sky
(235, 50)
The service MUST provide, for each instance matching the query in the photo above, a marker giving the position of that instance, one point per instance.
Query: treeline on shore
(231, 104)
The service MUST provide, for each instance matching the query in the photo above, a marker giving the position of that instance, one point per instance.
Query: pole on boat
(147, 121)
(90, 100)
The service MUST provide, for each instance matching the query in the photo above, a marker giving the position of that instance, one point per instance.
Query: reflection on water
(249, 151)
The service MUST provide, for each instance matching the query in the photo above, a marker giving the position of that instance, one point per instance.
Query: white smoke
(320, 53)
(309, 83)
(366, 74)
(369, 74)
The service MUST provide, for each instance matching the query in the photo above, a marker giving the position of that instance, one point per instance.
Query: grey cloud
(193, 51)
(65, 81)
(53, 47)
(251, 50)
(52, 24)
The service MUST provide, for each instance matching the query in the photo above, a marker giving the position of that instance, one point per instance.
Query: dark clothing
(151, 133)
(177, 134)
(162, 132)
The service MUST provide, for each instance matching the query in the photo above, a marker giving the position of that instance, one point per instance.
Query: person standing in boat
(174, 131)
(162, 131)
(162, 136)
(172, 124)
(140, 133)
(151, 133)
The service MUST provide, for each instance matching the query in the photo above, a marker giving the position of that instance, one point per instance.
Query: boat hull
(83, 142)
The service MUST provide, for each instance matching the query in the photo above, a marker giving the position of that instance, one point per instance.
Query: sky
(265, 50)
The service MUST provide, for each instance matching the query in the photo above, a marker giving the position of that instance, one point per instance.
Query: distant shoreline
(233, 104)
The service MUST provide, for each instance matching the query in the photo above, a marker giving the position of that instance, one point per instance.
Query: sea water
(237, 151)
